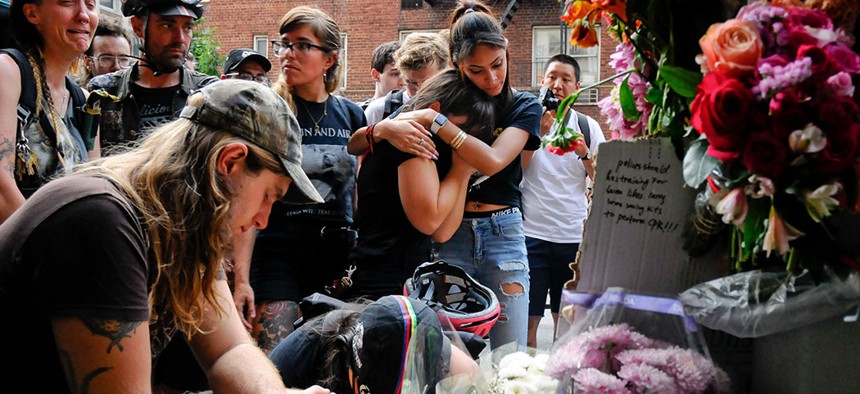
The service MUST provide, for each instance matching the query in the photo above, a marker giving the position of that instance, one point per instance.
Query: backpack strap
(393, 101)
(582, 120)
(27, 100)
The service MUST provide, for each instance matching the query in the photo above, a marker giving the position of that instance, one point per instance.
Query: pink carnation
(647, 379)
(590, 380)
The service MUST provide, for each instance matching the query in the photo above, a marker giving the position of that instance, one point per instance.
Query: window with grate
(548, 41)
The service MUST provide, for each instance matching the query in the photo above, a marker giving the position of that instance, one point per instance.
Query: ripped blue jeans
(493, 251)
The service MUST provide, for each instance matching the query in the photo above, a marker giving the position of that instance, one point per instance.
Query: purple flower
(776, 77)
(595, 349)
(590, 380)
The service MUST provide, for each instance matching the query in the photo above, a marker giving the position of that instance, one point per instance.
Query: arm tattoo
(69, 369)
(114, 330)
(7, 148)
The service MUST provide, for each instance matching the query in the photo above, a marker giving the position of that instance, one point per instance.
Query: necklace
(316, 122)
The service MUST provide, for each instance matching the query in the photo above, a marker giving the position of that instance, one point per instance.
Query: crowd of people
(152, 216)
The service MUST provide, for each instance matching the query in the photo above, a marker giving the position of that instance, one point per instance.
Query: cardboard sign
(633, 237)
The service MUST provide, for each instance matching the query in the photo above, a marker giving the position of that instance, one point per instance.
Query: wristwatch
(438, 123)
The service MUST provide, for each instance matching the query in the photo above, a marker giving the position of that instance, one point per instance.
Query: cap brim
(176, 10)
(301, 190)
(267, 65)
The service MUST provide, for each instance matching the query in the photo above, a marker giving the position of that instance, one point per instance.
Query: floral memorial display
(634, 343)
(759, 100)
(778, 111)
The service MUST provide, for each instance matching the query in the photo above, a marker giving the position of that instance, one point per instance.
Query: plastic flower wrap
(605, 352)
(777, 111)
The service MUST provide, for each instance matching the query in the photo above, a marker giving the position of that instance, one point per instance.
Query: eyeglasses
(280, 47)
(109, 60)
(262, 78)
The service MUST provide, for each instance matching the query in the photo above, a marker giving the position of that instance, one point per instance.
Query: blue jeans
(493, 251)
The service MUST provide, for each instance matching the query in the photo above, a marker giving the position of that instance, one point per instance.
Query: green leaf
(697, 163)
(653, 95)
(682, 81)
(753, 226)
(628, 103)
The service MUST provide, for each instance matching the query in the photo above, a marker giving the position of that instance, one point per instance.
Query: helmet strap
(150, 62)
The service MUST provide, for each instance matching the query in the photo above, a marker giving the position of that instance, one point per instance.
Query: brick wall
(369, 23)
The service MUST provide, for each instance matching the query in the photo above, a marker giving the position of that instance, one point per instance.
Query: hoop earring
(325, 77)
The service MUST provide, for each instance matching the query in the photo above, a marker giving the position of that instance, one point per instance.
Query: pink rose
(841, 85)
(733, 47)
(765, 154)
(719, 111)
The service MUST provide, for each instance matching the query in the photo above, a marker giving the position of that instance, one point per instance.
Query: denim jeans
(493, 251)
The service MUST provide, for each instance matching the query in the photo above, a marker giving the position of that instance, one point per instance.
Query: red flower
(822, 66)
(719, 111)
(840, 151)
(787, 112)
(765, 154)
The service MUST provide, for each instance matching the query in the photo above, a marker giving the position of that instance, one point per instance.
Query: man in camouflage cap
(102, 304)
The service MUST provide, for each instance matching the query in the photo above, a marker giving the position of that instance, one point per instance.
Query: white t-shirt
(554, 188)
(376, 108)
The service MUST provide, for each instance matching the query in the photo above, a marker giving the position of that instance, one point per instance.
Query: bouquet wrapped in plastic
(634, 343)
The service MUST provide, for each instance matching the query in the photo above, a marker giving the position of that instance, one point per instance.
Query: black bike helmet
(138, 7)
(469, 305)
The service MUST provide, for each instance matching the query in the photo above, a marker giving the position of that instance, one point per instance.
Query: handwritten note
(635, 193)
(634, 233)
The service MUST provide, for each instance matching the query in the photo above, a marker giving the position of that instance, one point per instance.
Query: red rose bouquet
(777, 111)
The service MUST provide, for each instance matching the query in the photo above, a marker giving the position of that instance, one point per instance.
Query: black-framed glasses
(262, 78)
(109, 61)
(280, 47)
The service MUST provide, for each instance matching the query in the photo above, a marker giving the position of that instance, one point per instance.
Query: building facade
(532, 27)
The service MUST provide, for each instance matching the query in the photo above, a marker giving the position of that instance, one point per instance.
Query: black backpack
(583, 127)
(27, 100)
(393, 101)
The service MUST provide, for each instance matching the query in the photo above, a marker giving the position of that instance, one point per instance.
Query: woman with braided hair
(39, 138)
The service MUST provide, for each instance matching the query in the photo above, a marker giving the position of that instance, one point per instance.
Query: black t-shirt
(75, 248)
(384, 232)
(503, 187)
(154, 106)
(326, 128)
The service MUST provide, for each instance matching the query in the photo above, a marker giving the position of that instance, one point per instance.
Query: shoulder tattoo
(114, 330)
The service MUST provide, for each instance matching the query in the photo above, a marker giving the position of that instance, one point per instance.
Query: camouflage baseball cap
(256, 113)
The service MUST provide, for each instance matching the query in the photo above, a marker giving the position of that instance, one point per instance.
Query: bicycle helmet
(469, 305)
(138, 7)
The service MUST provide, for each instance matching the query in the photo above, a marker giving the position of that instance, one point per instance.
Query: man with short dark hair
(386, 77)
(420, 56)
(110, 50)
(247, 64)
(555, 201)
(153, 91)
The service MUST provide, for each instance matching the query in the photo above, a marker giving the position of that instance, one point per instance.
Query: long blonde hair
(171, 177)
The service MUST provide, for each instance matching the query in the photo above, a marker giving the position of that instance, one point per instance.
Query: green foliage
(697, 163)
(205, 47)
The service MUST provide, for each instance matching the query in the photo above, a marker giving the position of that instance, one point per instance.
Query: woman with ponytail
(39, 142)
(490, 244)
